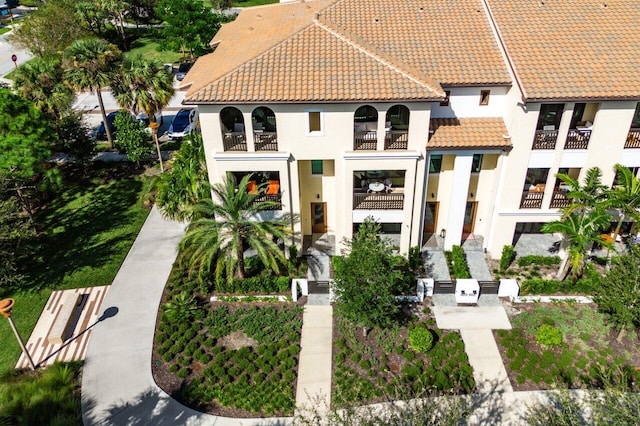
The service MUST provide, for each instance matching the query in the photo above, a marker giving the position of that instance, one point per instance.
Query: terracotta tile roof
(449, 41)
(465, 133)
(255, 30)
(283, 53)
(327, 69)
(568, 49)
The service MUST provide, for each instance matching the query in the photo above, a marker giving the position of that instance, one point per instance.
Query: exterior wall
(464, 102)
(334, 145)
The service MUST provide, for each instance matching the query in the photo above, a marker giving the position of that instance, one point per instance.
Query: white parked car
(183, 124)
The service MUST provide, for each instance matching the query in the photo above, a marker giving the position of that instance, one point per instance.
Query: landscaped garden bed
(235, 359)
(382, 366)
(566, 345)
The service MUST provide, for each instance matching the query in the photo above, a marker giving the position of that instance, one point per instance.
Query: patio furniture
(387, 185)
(252, 187)
(376, 186)
(273, 187)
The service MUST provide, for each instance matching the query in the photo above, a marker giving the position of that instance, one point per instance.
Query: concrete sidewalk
(314, 370)
(117, 384)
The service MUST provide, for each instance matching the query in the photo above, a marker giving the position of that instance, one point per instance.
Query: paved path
(478, 265)
(314, 370)
(117, 385)
(436, 265)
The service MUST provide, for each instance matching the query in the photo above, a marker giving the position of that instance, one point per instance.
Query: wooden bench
(65, 320)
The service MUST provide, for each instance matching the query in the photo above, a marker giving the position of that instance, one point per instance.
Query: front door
(469, 217)
(319, 218)
(430, 219)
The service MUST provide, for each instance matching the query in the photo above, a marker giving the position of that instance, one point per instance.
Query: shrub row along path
(117, 384)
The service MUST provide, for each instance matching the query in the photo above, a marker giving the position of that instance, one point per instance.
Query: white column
(381, 132)
(458, 204)
(248, 131)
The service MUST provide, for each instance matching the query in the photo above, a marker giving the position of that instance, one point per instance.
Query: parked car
(183, 69)
(101, 134)
(183, 124)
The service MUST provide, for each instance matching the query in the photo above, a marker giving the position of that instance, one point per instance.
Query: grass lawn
(4, 30)
(44, 397)
(382, 367)
(587, 357)
(87, 230)
(248, 3)
(149, 47)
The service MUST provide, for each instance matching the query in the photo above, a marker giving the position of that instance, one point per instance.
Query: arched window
(265, 135)
(233, 131)
(365, 126)
(397, 125)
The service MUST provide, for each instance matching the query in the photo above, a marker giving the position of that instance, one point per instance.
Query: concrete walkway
(314, 369)
(478, 265)
(117, 384)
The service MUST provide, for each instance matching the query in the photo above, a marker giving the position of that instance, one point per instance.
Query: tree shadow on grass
(85, 236)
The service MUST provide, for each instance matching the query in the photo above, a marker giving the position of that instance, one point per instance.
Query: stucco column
(248, 131)
(381, 131)
(458, 204)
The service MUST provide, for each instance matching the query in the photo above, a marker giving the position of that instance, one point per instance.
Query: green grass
(4, 30)
(87, 231)
(149, 48)
(45, 397)
(248, 3)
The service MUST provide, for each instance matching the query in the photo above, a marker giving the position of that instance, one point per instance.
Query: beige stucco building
(426, 115)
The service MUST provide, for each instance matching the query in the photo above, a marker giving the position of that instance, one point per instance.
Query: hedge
(536, 260)
(459, 263)
(508, 253)
(259, 284)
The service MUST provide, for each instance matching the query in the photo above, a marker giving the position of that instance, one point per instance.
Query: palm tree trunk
(240, 255)
(104, 117)
(615, 237)
(25, 203)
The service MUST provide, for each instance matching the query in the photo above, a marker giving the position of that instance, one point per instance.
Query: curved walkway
(117, 384)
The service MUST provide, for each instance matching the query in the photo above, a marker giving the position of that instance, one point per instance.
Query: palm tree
(625, 196)
(91, 64)
(215, 241)
(186, 183)
(581, 231)
(584, 197)
(143, 86)
(41, 80)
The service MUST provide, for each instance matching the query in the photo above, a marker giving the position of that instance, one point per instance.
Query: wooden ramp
(74, 347)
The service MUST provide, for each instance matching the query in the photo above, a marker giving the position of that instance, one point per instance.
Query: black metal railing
(633, 139)
(396, 139)
(235, 141)
(545, 139)
(531, 200)
(265, 141)
(274, 198)
(559, 199)
(577, 139)
(381, 201)
(365, 141)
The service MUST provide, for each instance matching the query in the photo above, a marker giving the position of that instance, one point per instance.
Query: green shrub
(420, 339)
(548, 335)
(537, 260)
(184, 372)
(365, 364)
(459, 263)
(409, 355)
(508, 253)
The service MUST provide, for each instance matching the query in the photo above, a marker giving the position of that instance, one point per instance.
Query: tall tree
(618, 292)
(186, 184)
(143, 86)
(133, 139)
(625, 196)
(49, 29)
(41, 80)
(116, 11)
(92, 16)
(14, 229)
(365, 279)
(580, 231)
(25, 138)
(91, 64)
(224, 227)
(189, 25)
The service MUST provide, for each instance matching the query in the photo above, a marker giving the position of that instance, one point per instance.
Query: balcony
(378, 201)
(633, 138)
(578, 139)
(559, 199)
(531, 200)
(265, 141)
(396, 139)
(234, 141)
(365, 141)
(545, 139)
